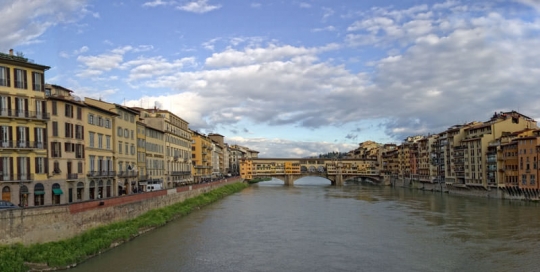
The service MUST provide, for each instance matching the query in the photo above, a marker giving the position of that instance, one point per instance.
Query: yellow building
(101, 178)
(23, 125)
(177, 141)
(66, 138)
(201, 157)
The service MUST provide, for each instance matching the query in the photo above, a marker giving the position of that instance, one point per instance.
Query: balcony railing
(127, 174)
(24, 114)
(103, 173)
(22, 144)
(180, 173)
(72, 176)
(16, 177)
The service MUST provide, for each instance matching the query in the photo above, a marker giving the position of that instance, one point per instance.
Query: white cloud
(199, 6)
(23, 21)
(157, 3)
(327, 28)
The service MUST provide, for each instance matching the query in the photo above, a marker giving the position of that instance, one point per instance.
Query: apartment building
(141, 156)
(478, 137)
(155, 157)
(221, 165)
(67, 145)
(235, 154)
(23, 125)
(101, 179)
(177, 141)
(201, 157)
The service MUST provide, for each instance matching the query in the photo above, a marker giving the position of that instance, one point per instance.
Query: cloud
(157, 3)
(279, 148)
(199, 6)
(328, 28)
(24, 21)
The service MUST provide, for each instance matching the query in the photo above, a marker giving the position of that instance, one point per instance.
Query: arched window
(23, 196)
(6, 193)
(56, 193)
(100, 189)
(39, 194)
(80, 191)
(92, 191)
(109, 188)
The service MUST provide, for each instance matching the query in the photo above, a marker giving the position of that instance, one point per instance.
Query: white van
(153, 185)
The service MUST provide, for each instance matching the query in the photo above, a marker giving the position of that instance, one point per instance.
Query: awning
(39, 192)
(57, 191)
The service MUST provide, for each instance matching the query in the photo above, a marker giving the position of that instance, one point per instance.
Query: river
(313, 226)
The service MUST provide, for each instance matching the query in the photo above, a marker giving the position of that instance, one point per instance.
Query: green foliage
(97, 240)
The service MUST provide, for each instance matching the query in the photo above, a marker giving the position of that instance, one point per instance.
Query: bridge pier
(339, 180)
(289, 180)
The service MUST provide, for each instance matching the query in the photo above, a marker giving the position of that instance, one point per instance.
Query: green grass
(74, 250)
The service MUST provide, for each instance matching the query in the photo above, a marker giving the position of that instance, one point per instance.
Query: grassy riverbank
(256, 180)
(63, 254)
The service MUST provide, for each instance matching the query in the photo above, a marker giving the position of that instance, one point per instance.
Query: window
(54, 108)
(91, 139)
(4, 76)
(37, 79)
(100, 121)
(55, 129)
(107, 123)
(100, 140)
(79, 151)
(90, 119)
(92, 160)
(132, 149)
(119, 132)
(127, 151)
(79, 167)
(22, 136)
(21, 107)
(79, 113)
(79, 132)
(40, 165)
(120, 147)
(108, 142)
(126, 133)
(56, 150)
(132, 134)
(20, 79)
(69, 147)
(69, 110)
(69, 130)
(39, 135)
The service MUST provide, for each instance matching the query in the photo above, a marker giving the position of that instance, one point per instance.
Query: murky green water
(313, 226)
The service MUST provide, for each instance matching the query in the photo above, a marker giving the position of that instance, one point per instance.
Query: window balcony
(102, 173)
(6, 177)
(127, 174)
(22, 145)
(24, 114)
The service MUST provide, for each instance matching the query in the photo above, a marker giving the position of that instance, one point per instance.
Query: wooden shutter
(9, 105)
(10, 133)
(43, 83)
(19, 171)
(27, 130)
(28, 166)
(8, 77)
(15, 78)
(11, 168)
(26, 107)
(36, 165)
(25, 85)
(46, 164)
(45, 144)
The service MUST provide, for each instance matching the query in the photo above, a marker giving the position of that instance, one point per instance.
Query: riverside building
(23, 126)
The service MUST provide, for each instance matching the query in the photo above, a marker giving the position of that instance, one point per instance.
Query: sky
(291, 78)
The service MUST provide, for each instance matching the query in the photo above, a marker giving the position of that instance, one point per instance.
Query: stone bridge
(289, 170)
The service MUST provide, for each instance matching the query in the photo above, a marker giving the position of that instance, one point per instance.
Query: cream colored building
(66, 144)
(101, 177)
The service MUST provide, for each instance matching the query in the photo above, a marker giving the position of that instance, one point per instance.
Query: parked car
(7, 205)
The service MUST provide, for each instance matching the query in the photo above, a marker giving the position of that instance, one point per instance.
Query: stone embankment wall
(54, 223)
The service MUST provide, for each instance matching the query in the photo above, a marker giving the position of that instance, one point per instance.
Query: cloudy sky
(291, 78)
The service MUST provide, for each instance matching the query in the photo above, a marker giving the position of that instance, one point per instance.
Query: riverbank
(257, 180)
(68, 253)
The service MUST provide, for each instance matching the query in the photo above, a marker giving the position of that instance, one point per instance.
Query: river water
(313, 226)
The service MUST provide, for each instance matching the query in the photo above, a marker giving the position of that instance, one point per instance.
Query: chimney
(11, 52)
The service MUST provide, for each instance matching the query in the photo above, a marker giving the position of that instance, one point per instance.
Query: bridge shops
(290, 169)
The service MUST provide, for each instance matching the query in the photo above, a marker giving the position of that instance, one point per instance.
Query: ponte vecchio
(291, 169)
